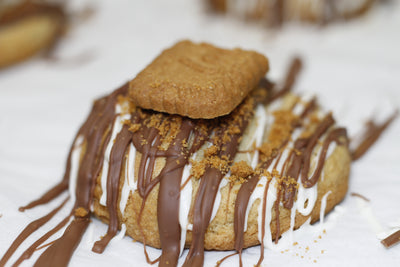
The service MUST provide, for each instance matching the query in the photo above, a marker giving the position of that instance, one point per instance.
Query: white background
(354, 68)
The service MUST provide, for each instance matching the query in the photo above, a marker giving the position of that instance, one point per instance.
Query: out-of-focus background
(353, 67)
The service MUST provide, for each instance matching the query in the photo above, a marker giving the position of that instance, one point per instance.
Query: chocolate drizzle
(209, 185)
(114, 172)
(391, 240)
(177, 139)
(371, 134)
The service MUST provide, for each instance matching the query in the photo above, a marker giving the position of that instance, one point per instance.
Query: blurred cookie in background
(28, 28)
(277, 12)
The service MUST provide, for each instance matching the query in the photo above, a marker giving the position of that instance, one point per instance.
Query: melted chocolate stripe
(205, 197)
(63, 185)
(391, 239)
(333, 136)
(29, 229)
(169, 195)
(371, 135)
(48, 196)
(293, 171)
(291, 76)
(148, 158)
(60, 252)
(113, 180)
(28, 252)
(264, 207)
(241, 203)
(312, 141)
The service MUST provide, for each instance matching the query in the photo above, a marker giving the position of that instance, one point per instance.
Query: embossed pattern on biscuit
(198, 80)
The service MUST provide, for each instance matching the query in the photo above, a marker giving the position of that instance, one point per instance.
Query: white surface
(354, 68)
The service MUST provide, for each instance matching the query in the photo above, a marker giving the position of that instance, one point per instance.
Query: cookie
(197, 80)
(275, 13)
(220, 232)
(28, 28)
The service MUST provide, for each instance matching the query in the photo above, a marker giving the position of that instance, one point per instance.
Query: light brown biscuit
(27, 29)
(198, 80)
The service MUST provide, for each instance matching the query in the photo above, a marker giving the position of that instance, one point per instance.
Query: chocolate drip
(293, 171)
(49, 195)
(32, 227)
(241, 203)
(28, 253)
(264, 207)
(148, 147)
(291, 76)
(311, 142)
(207, 191)
(371, 134)
(114, 172)
(334, 136)
(63, 185)
(169, 195)
(60, 252)
(392, 239)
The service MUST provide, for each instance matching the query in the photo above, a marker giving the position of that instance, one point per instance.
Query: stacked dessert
(198, 151)
(276, 12)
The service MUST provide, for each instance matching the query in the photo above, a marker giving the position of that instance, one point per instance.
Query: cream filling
(261, 118)
(184, 203)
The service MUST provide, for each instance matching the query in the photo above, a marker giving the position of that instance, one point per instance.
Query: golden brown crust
(198, 80)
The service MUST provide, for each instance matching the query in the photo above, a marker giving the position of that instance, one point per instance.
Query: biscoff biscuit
(198, 80)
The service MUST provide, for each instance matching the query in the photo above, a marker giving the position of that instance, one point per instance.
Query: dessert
(27, 28)
(275, 13)
(266, 162)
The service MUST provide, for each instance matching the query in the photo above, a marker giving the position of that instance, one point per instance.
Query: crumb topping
(81, 212)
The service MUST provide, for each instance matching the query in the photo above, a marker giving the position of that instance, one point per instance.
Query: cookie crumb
(81, 212)
(241, 169)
